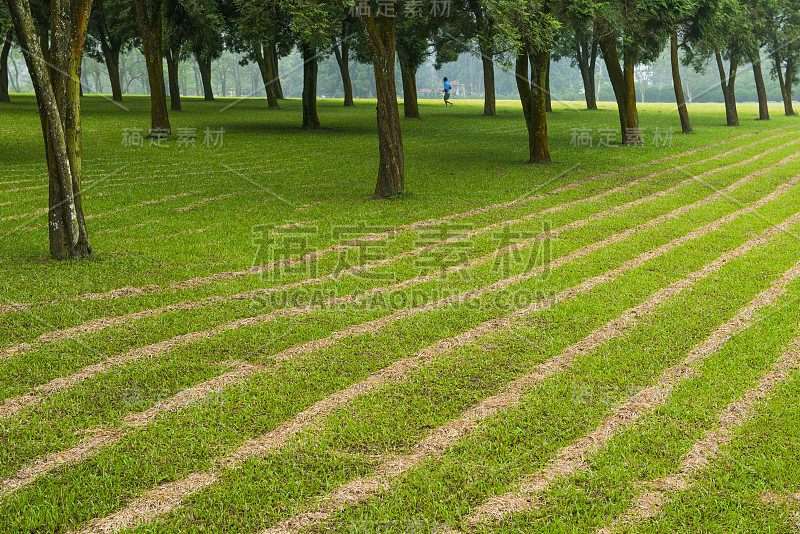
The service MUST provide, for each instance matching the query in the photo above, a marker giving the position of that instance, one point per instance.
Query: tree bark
(677, 84)
(489, 94)
(548, 106)
(592, 102)
(343, 59)
(274, 69)
(57, 91)
(310, 64)
(204, 64)
(786, 84)
(111, 57)
(4, 67)
(391, 172)
(537, 131)
(727, 83)
(523, 84)
(788, 80)
(485, 40)
(409, 75)
(267, 76)
(630, 132)
(172, 75)
(153, 44)
(623, 82)
(533, 97)
(787, 104)
(761, 90)
(587, 61)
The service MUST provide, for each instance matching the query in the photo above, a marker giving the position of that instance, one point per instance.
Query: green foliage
(112, 21)
(195, 27)
(526, 23)
(718, 25)
(644, 26)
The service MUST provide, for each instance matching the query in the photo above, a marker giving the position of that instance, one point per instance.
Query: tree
(631, 33)
(112, 30)
(7, 34)
(176, 34)
(680, 16)
(783, 46)
(530, 25)
(314, 23)
(413, 48)
(760, 25)
(455, 32)
(379, 28)
(56, 82)
(149, 16)
(677, 84)
(719, 30)
(341, 50)
(486, 37)
(254, 34)
(192, 27)
(578, 42)
(264, 59)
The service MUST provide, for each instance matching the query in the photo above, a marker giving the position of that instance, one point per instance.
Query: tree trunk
(485, 45)
(586, 59)
(592, 99)
(763, 107)
(266, 76)
(623, 82)
(197, 84)
(172, 74)
(548, 105)
(727, 83)
(523, 84)
(274, 69)
(310, 116)
(489, 100)
(391, 172)
(111, 57)
(152, 42)
(537, 130)
(4, 67)
(789, 80)
(343, 59)
(786, 84)
(409, 75)
(204, 64)
(533, 97)
(677, 84)
(787, 104)
(57, 93)
(630, 132)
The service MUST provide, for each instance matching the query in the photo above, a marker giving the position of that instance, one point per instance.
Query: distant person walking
(446, 92)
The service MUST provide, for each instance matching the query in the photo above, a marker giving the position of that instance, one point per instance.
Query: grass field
(607, 344)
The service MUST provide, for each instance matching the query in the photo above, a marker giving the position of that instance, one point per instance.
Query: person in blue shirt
(446, 92)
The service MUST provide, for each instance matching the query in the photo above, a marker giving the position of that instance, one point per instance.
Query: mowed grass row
(567, 331)
(513, 445)
(63, 315)
(251, 143)
(233, 349)
(362, 414)
(58, 354)
(384, 275)
(638, 246)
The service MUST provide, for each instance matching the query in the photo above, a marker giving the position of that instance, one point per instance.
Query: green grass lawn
(410, 373)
